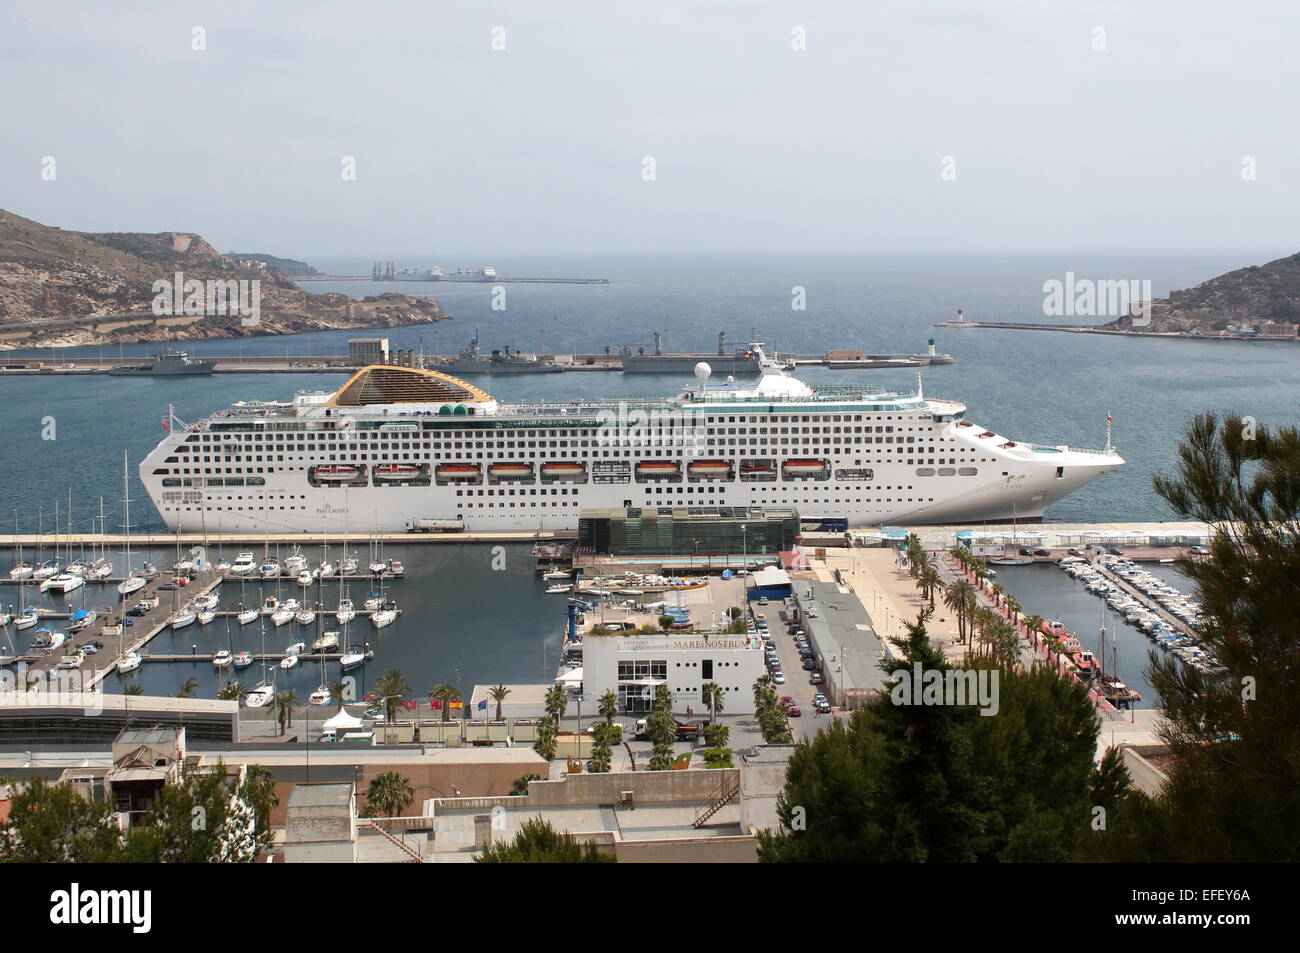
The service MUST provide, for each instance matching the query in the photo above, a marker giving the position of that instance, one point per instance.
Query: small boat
(374, 602)
(5, 618)
(321, 696)
(222, 659)
(244, 564)
(260, 697)
(243, 659)
(184, 618)
(209, 601)
(396, 569)
(295, 564)
(304, 578)
(82, 619)
(148, 571)
(27, 618)
(325, 570)
(384, 615)
(1009, 560)
(270, 569)
(557, 590)
(348, 565)
(45, 570)
(327, 641)
(101, 569)
(631, 592)
(353, 657)
(283, 616)
(64, 582)
(377, 567)
(182, 567)
(557, 574)
(305, 616)
(270, 604)
(288, 662)
(346, 613)
(223, 565)
(129, 663)
(396, 471)
(21, 571)
(131, 584)
(47, 638)
(335, 473)
(295, 648)
(205, 616)
(247, 615)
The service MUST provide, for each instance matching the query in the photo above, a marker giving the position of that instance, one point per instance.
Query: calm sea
(466, 620)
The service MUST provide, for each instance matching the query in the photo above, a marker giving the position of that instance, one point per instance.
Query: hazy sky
(757, 146)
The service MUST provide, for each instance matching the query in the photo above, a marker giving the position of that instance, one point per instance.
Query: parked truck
(685, 731)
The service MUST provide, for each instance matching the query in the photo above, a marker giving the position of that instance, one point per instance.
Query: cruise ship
(396, 445)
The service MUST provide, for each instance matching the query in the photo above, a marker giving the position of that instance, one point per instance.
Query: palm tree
(189, 689)
(498, 694)
(930, 583)
(388, 793)
(284, 705)
(445, 693)
(997, 589)
(608, 705)
(232, 691)
(1034, 625)
(338, 692)
(711, 693)
(1013, 607)
(393, 688)
(133, 689)
(957, 597)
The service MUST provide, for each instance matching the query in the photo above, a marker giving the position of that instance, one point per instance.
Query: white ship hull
(888, 459)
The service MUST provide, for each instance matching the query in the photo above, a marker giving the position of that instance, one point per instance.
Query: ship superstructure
(400, 444)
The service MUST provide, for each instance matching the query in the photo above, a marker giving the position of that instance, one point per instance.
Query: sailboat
(263, 694)
(134, 581)
(21, 570)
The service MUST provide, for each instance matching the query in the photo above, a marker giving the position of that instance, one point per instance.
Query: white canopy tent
(343, 721)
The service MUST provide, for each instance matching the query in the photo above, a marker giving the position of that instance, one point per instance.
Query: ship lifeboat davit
(658, 468)
(804, 468)
(564, 471)
(710, 469)
(336, 473)
(458, 471)
(511, 471)
(396, 471)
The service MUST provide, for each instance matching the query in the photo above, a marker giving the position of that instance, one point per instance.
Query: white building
(634, 666)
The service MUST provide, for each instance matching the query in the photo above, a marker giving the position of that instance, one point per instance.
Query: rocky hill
(61, 288)
(1245, 298)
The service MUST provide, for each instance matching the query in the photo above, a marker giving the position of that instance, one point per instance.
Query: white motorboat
(295, 648)
(295, 564)
(223, 565)
(5, 618)
(21, 571)
(131, 584)
(184, 618)
(282, 616)
(270, 569)
(209, 601)
(260, 697)
(348, 565)
(324, 571)
(327, 641)
(557, 574)
(288, 662)
(82, 619)
(148, 570)
(129, 662)
(384, 615)
(374, 602)
(45, 570)
(306, 616)
(47, 638)
(346, 613)
(222, 659)
(270, 605)
(27, 618)
(377, 567)
(321, 696)
(205, 616)
(244, 564)
(556, 590)
(304, 578)
(396, 569)
(243, 659)
(353, 657)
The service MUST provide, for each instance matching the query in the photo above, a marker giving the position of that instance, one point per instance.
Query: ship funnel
(702, 372)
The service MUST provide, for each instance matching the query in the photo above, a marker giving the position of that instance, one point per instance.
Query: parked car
(809, 664)
(793, 712)
(778, 678)
(1042, 552)
(1074, 552)
(823, 706)
(1026, 552)
(1197, 551)
(815, 678)
(90, 648)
